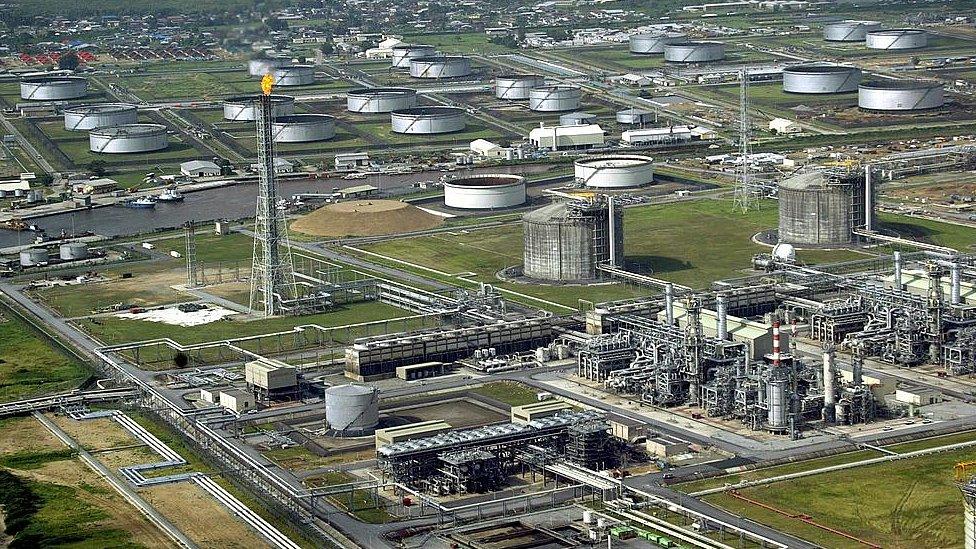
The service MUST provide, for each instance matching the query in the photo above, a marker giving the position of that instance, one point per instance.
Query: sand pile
(366, 218)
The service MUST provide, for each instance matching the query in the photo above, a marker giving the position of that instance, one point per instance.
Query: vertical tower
(272, 271)
(743, 198)
(189, 230)
(969, 513)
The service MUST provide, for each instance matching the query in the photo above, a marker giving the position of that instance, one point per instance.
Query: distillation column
(829, 376)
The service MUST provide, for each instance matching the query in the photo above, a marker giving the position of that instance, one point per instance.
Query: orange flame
(266, 84)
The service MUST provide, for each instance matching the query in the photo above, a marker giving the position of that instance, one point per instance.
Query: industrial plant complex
(467, 275)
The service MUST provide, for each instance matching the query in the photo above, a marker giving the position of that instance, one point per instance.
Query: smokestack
(613, 232)
(721, 320)
(956, 287)
(898, 270)
(669, 303)
(776, 348)
(857, 369)
(868, 199)
(830, 397)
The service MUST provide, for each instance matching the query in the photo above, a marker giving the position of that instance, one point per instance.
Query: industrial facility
(440, 66)
(128, 138)
(654, 43)
(265, 65)
(484, 192)
(555, 98)
(53, 88)
(427, 120)
(380, 100)
(820, 78)
(636, 117)
(403, 53)
(89, 117)
(824, 207)
(694, 52)
(618, 171)
(516, 87)
(352, 410)
(294, 75)
(850, 30)
(900, 95)
(569, 241)
(241, 108)
(303, 128)
(897, 39)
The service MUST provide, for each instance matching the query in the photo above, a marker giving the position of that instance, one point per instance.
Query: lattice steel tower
(743, 197)
(190, 233)
(272, 270)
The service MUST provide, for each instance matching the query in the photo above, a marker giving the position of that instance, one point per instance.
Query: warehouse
(657, 136)
(236, 401)
(784, 126)
(199, 168)
(576, 136)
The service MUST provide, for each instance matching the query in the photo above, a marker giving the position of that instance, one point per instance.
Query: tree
(327, 48)
(97, 168)
(69, 61)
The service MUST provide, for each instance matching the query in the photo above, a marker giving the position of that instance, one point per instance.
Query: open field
(299, 458)
(511, 393)
(200, 517)
(205, 86)
(30, 365)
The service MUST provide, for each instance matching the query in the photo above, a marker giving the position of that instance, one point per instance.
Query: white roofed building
(576, 136)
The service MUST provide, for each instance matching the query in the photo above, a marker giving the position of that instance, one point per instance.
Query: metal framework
(744, 198)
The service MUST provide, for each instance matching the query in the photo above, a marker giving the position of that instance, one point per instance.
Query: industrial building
(380, 100)
(421, 371)
(236, 401)
(574, 136)
(440, 66)
(89, 117)
(352, 410)
(271, 379)
(555, 98)
(403, 53)
(849, 31)
(294, 75)
(897, 39)
(241, 108)
(670, 135)
(614, 171)
(411, 431)
(784, 126)
(821, 78)
(824, 207)
(129, 138)
(484, 192)
(653, 43)
(568, 241)
(199, 168)
(427, 120)
(53, 88)
(900, 95)
(527, 413)
(516, 87)
(694, 52)
(303, 128)
(636, 117)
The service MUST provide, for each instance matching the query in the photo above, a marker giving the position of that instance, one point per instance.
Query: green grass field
(509, 392)
(202, 86)
(31, 365)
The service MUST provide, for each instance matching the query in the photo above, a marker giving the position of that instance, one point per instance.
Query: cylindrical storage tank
(516, 87)
(587, 516)
(241, 107)
(635, 117)
(403, 53)
(33, 256)
(303, 128)
(849, 31)
(555, 98)
(817, 210)
(53, 88)
(263, 66)
(778, 405)
(73, 251)
(652, 43)
(380, 100)
(89, 117)
(897, 39)
(128, 138)
(565, 242)
(352, 409)
(615, 171)
(294, 75)
(900, 95)
(577, 118)
(694, 52)
(440, 66)
(821, 79)
(484, 192)
(427, 120)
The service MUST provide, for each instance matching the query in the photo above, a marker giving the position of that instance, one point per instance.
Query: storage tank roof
(350, 390)
(803, 181)
(547, 213)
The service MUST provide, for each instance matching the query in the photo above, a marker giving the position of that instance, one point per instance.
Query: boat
(15, 224)
(170, 195)
(357, 175)
(145, 202)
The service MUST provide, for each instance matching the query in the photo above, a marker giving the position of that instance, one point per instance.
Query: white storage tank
(615, 171)
(33, 256)
(555, 98)
(380, 100)
(352, 409)
(652, 43)
(897, 39)
(515, 87)
(303, 128)
(635, 117)
(778, 405)
(900, 95)
(89, 117)
(294, 75)
(263, 66)
(403, 53)
(849, 31)
(577, 118)
(73, 251)
(427, 120)
(128, 138)
(53, 88)
(241, 107)
(817, 78)
(694, 52)
(440, 66)
(484, 192)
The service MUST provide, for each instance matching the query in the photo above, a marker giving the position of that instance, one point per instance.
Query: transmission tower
(743, 197)
(190, 231)
(272, 270)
